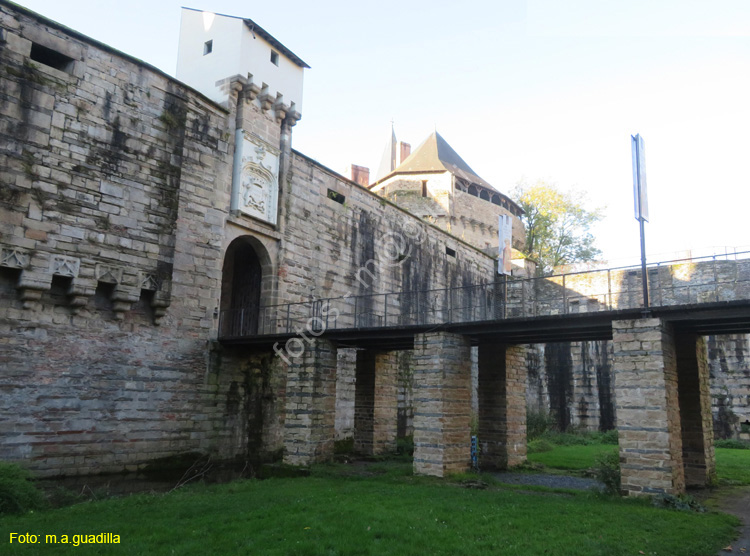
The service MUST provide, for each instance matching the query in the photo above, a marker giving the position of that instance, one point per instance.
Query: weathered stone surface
(502, 406)
(442, 404)
(648, 412)
(345, 392)
(115, 185)
(695, 411)
(309, 427)
(95, 159)
(375, 410)
(442, 199)
(729, 371)
(573, 381)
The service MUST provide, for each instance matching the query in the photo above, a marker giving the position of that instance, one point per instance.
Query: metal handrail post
(716, 282)
(416, 308)
(450, 305)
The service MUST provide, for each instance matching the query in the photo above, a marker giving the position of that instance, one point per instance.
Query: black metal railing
(676, 282)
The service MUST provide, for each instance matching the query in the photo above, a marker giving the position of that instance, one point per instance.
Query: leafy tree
(557, 224)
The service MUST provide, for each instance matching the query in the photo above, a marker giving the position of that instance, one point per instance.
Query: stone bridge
(661, 375)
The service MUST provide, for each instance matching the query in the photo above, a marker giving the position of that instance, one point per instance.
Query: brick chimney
(360, 175)
(404, 150)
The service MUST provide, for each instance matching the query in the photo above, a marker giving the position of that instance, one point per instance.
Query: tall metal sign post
(640, 196)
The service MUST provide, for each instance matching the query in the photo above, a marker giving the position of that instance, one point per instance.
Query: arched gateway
(244, 283)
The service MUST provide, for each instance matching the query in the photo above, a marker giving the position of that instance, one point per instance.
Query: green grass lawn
(733, 466)
(571, 457)
(379, 511)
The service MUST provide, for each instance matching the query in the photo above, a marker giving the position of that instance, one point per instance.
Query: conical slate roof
(436, 155)
(388, 161)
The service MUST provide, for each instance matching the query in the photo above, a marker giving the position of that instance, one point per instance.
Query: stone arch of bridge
(247, 286)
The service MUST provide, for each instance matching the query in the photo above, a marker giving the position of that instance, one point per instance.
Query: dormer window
(274, 58)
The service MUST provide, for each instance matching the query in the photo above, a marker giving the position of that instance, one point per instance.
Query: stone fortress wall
(115, 224)
(114, 192)
(444, 203)
(574, 381)
(121, 252)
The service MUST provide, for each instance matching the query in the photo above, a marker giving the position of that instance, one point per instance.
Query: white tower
(214, 47)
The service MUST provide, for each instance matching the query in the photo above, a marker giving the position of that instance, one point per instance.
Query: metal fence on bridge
(678, 282)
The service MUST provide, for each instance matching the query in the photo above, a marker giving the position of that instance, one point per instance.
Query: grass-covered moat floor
(372, 509)
(579, 452)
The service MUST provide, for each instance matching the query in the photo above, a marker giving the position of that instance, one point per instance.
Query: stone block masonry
(729, 370)
(333, 249)
(114, 186)
(502, 406)
(442, 404)
(376, 402)
(345, 392)
(573, 382)
(695, 411)
(115, 219)
(648, 412)
(309, 427)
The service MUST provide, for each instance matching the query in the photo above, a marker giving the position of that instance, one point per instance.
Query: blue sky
(539, 89)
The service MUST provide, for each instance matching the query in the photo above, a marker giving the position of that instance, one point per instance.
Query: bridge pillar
(695, 410)
(648, 413)
(442, 403)
(375, 402)
(310, 404)
(502, 406)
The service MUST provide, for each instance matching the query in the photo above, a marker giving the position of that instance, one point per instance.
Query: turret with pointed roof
(388, 161)
(434, 154)
(435, 183)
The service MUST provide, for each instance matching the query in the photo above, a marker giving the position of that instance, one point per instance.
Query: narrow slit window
(274, 58)
(51, 58)
(336, 196)
(208, 47)
(424, 188)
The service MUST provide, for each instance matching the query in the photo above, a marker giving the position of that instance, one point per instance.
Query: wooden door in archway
(246, 280)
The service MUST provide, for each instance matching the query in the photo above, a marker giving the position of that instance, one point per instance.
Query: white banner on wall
(505, 233)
